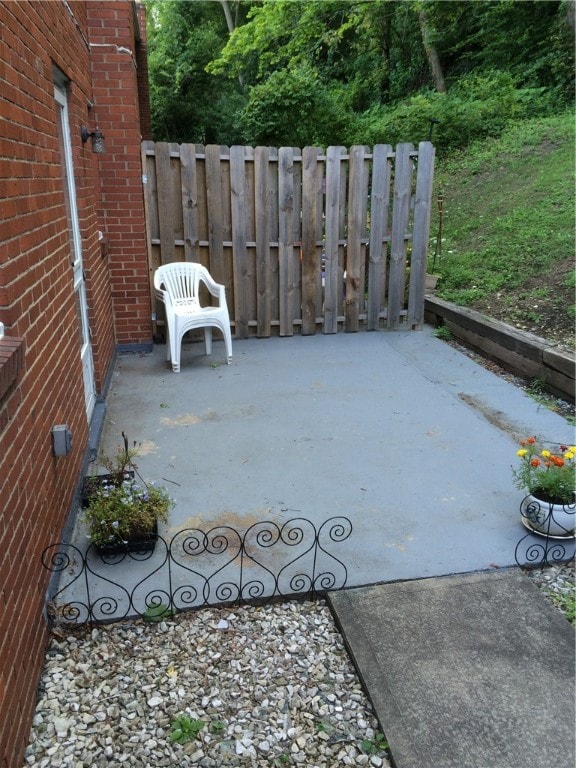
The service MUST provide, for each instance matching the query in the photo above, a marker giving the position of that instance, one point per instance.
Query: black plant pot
(140, 543)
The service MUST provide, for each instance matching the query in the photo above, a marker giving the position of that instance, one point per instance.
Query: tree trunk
(431, 52)
(228, 15)
(231, 26)
(570, 16)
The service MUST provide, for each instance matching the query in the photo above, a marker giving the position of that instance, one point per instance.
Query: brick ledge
(11, 362)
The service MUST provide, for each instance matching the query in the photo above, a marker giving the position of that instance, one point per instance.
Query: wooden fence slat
(419, 257)
(241, 265)
(285, 239)
(215, 207)
(332, 282)
(166, 203)
(356, 233)
(400, 216)
(311, 269)
(189, 183)
(262, 225)
(297, 234)
(202, 207)
(274, 224)
(379, 229)
(150, 209)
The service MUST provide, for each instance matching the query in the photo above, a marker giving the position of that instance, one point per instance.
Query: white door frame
(60, 96)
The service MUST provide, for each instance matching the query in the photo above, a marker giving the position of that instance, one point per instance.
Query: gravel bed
(273, 686)
(555, 581)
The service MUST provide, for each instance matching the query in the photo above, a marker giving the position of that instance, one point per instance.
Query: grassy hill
(507, 246)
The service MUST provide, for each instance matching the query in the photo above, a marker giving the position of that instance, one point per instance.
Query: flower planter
(141, 543)
(546, 518)
(431, 282)
(93, 483)
(121, 513)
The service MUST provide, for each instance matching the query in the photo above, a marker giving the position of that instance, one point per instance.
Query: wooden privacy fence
(302, 239)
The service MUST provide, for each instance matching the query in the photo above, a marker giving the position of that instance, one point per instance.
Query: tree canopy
(282, 72)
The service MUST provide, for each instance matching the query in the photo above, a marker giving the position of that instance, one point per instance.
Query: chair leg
(175, 345)
(208, 339)
(168, 342)
(228, 342)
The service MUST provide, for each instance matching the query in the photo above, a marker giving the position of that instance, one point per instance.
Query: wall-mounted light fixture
(97, 137)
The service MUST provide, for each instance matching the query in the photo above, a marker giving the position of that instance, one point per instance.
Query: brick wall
(115, 77)
(143, 82)
(43, 385)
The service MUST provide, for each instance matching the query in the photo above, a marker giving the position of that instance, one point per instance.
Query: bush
(292, 108)
(480, 105)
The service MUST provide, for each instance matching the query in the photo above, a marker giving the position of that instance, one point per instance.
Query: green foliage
(565, 602)
(479, 106)
(185, 729)
(353, 72)
(375, 745)
(443, 333)
(154, 614)
(291, 107)
(188, 104)
(119, 512)
(546, 471)
(509, 219)
(119, 507)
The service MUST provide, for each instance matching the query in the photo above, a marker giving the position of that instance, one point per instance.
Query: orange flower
(547, 474)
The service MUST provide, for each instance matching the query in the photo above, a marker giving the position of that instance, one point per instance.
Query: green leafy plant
(443, 333)
(119, 507)
(566, 603)
(184, 729)
(548, 475)
(156, 613)
(375, 745)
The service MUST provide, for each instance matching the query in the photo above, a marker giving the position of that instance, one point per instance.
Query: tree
(187, 103)
(431, 52)
(278, 71)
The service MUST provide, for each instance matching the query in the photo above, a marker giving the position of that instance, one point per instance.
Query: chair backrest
(181, 279)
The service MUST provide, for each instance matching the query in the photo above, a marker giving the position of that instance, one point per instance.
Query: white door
(83, 328)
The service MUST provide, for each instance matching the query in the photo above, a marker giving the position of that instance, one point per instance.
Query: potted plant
(548, 476)
(122, 511)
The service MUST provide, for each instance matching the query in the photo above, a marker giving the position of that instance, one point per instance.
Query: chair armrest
(216, 289)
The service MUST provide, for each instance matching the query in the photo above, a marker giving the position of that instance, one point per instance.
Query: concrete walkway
(472, 671)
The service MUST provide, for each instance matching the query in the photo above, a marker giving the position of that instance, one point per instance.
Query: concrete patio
(405, 436)
(413, 443)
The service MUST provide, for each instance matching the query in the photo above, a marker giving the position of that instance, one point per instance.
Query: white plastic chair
(178, 286)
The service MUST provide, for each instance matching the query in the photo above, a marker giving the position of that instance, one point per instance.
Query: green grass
(508, 226)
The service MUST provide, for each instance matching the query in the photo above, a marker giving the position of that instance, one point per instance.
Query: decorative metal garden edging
(197, 569)
(551, 533)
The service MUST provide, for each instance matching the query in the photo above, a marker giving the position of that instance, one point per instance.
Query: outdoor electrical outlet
(61, 440)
